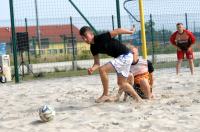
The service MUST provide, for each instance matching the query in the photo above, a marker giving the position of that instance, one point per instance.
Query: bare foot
(139, 100)
(103, 98)
(152, 96)
(114, 98)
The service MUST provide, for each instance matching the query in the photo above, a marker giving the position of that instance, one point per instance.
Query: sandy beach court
(176, 107)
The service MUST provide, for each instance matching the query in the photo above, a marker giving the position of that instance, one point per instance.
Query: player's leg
(125, 96)
(123, 84)
(122, 66)
(145, 88)
(180, 56)
(121, 91)
(130, 79)
(190, 57)
(191, 63)
(131, 82)
(103, 71)
(117, 97)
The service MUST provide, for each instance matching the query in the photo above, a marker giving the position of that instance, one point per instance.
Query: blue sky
(4, 7)
(96, 7)
(60, 10)
(63, 8)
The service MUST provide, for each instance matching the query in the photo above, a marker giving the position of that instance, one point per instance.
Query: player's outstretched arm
(119, 31)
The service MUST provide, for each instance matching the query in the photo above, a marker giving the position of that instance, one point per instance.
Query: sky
(96, 7)
(58, 11)
(4, 7)
(63, 7)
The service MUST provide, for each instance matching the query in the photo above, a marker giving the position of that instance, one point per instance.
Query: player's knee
(123, 85)
(101, 70)
(130, 79)
(144, 82)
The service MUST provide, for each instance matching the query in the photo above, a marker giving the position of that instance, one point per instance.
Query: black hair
(84, 29)
(179, 24)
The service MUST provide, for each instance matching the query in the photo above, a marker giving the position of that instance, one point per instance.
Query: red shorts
(189, 54)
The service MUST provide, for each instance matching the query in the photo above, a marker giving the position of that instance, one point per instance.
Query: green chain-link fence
(55, 45)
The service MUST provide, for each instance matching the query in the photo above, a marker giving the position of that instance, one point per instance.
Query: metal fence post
(65, 47)
(34, 46)
(113, 22)
(26, 25)
(14, 42)
(38, 28)
(152, 39)
(73, 47)
(163, 32)
(186, 21)
(118, 18)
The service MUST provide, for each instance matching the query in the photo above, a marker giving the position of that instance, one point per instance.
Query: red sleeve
(172, 38)
(191, 36)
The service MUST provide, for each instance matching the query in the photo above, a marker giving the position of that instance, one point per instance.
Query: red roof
(53, 32)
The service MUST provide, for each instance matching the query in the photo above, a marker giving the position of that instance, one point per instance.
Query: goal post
(143, 35)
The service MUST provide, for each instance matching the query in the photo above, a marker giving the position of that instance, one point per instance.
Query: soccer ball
(46, 113)
(3, 79)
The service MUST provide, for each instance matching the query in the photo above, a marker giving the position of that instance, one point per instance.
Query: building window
(61, 51)
(44, 43)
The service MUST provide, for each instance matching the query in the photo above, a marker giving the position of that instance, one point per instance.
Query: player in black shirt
(106, 44)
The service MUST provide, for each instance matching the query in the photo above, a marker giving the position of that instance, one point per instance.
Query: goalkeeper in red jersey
(183, 40)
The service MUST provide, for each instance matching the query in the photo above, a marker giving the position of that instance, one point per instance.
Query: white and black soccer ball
(3, 79)
(46, 113)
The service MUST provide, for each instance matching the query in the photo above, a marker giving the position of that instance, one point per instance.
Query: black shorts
(136, 87)
(139, 91)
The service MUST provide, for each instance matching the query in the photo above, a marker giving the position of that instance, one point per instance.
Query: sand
(176, 107)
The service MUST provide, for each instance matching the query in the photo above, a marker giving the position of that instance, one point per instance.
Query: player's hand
(90, 71)
(178, 49)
